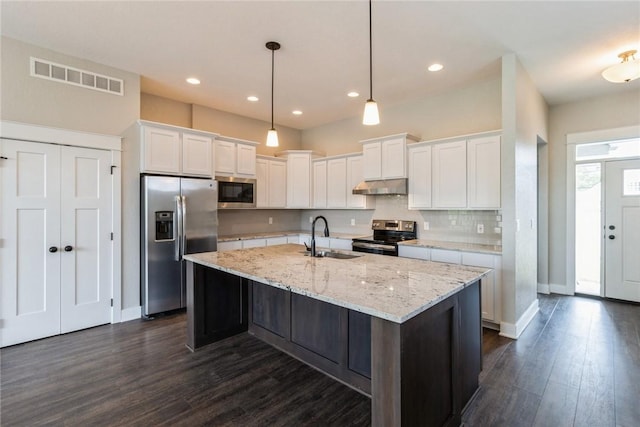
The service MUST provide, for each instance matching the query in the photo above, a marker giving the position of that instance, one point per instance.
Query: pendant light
(625, 71)
(371, 116)
(272, 135)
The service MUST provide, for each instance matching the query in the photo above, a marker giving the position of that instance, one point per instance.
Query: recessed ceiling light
(296, 112)
(435, 67)
(193, 81)
(252, 98)
(353, 94)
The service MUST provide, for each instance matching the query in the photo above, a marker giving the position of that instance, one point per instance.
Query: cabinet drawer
(254, 243)
(478, 260)
(414, 252)
(344, 244)
(276, 241)
(229, 246)
(441, 255)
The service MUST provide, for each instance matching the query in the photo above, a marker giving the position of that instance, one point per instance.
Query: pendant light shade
(371, 116)
(272, 135)
(627, 70)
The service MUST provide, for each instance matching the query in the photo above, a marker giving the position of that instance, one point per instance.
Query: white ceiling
(564, 46)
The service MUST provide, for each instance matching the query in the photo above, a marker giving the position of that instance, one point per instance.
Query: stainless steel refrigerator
(178, 216)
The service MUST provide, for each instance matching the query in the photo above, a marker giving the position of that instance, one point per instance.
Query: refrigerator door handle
(183, 232)
(178, 227)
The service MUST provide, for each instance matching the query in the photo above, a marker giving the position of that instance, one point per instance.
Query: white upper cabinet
(337, 183)
(173, 150)
(354, 177)
(449, 174)
(299, 177)
(385, 157)
(319, 184)
(271, 182)
(483, 172)
(235, 157)
(420, 177)
(455, 173)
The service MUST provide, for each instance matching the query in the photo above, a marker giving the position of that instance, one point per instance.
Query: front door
(622, 230)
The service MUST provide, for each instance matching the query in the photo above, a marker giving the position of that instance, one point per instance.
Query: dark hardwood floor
(578, 363)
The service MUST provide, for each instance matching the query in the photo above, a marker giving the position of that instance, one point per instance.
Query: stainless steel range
(386, 235)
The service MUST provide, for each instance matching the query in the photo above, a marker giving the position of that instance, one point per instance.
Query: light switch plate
(270, 220)
(426, 225)
(480, 228)
(353, 221)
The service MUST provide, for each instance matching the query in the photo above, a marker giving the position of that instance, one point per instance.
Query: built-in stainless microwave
(236, 193)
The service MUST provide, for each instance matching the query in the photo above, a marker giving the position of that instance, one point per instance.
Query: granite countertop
(466, 247)
(391, 288)
(266, 235)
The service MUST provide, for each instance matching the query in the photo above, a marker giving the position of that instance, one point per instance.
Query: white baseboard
(543, 288)
(131, 313)
(560, 289)
(512, 331)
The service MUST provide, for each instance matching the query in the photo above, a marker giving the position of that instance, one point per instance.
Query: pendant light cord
(272, 68)
(370, 57)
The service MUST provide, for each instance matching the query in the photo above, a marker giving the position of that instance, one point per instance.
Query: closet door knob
(68, 248)
(53, 249)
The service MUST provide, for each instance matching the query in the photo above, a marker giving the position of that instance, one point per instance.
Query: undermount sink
(330, 254)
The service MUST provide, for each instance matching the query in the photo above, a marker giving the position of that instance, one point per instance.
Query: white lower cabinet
(491, 284)
(254, 243)
(344, 244)
(56, 220)
(272, 241)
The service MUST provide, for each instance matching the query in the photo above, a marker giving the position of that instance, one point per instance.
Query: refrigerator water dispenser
(164, 225)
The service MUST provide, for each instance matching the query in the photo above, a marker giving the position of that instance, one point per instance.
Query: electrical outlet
(310, 219)
(497, 230)
(353, 221)
(517, 225)
(426, 225)
(480, 228)
(270, 220)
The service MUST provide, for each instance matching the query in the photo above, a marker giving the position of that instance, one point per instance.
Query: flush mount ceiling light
(296, 112)
(193, 81)
(252, 98)
(371, 116)
(627, 70)
(435, 67)
(353, 94)
(272, 135)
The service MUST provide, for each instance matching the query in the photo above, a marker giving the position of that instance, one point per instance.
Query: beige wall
(35, 100)
(163, 110)
(524, 121)
(472, 109)
(606, 112)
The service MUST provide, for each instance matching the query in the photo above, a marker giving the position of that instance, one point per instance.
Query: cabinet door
(254, 243)
(272, 241)
(262, 183)
(270, 308)
(450, 175)
(196, 155)
(277, 184)
(414, 252)
(225, 158)
(420, 177)
(246, 160)
(298, 181)
(320, 184)
(317, 326)
(483, 168)
(488, 285)
(30, 272)
(161, 151)
(394, 158)
(372, 155)
(354, 177)
(337, 183)
(344, 244)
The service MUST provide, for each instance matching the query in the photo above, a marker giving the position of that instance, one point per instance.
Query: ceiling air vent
(74, 76)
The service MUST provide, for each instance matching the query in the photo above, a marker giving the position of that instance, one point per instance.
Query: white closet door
(30, 235)
(85, 238)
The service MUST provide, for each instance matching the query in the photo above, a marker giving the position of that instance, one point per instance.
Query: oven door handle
(373, 246)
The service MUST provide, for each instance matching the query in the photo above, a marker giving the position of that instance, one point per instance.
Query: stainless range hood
(382, 187)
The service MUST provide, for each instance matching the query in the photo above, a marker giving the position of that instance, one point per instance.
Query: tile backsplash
(451, 226)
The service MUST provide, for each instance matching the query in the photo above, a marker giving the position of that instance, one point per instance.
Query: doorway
(607, 219)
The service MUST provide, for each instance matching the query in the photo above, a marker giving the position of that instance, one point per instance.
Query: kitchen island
(403, 331)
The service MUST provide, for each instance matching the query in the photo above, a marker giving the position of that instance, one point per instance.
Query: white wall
(35, 100)
(524, 120)
(471, 109)
(606, 112)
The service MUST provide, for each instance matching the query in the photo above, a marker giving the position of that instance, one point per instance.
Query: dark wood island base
(421, 372)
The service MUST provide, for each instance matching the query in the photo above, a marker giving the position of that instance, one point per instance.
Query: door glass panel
(631, 182)
(588, 227)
